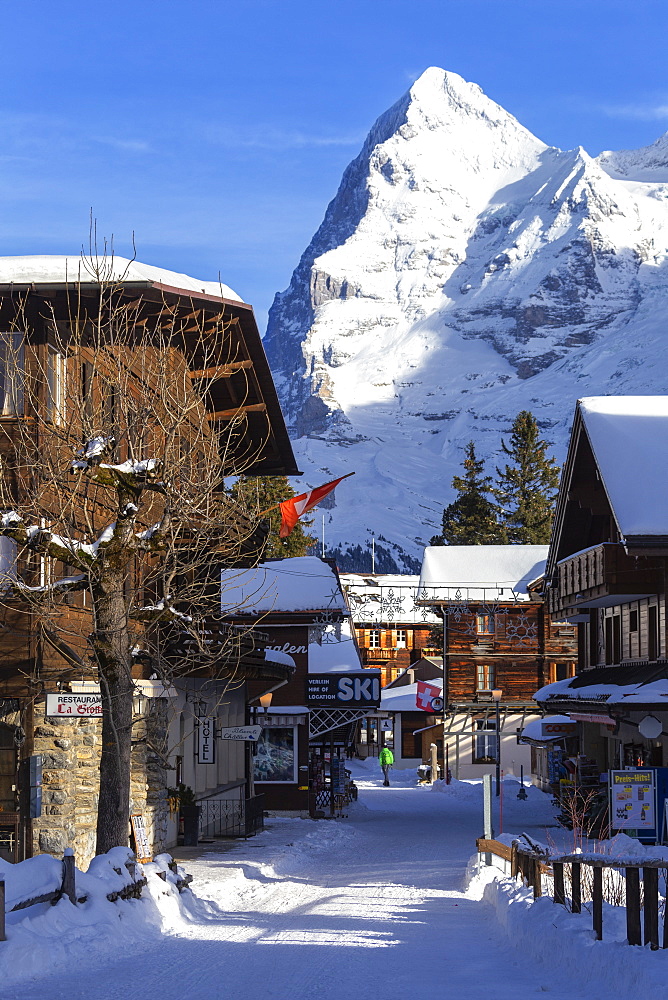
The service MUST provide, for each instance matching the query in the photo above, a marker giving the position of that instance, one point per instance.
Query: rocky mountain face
(463, 272)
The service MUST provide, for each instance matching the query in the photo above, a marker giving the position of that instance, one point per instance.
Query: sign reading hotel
(65, 705)
(206, 743)
(632, 800)
(357, 689)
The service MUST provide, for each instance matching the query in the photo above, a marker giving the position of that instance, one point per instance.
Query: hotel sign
(206, 743)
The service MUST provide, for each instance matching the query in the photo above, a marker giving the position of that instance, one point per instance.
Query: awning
(549, 729)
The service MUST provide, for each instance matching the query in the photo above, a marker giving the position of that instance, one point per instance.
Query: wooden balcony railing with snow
(594, 576)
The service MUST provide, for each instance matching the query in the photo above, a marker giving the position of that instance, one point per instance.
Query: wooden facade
(393, 650)
(607, 576)
(32, 662)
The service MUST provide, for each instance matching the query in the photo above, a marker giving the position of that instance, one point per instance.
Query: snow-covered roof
(305, 583)
(386, 598)
(629, 438)
(403, 699)
(626, 695)
(62, 269)
(481, 571)
(547, 729)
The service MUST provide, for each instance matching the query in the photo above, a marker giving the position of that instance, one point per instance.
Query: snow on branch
(68, 550)
(161, 611)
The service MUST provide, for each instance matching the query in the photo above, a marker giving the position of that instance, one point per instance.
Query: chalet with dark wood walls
(310, 720)
(393, 631)
(48, 765)
(606, 574)
(499, 644)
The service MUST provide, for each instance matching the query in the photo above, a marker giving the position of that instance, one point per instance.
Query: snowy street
(370, 904)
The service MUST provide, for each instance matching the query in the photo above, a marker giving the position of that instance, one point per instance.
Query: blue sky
(218, 131)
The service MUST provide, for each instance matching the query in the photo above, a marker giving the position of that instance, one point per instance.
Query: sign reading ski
(357, 689)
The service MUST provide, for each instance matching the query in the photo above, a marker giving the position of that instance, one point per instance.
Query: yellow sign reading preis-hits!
(632, 798)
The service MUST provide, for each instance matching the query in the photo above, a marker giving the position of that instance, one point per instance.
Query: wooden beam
(221, 371)
(238, 411)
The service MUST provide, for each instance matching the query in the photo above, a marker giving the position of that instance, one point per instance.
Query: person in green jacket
(386, 760)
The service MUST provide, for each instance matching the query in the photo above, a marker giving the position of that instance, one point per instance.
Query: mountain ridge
(464, 270)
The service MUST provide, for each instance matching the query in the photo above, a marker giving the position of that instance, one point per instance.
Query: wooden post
(650, 877)
(514, 868)
(537, 886)
(3, 936)
(68, 887)
(559, 891)
(576, 887)
(597, 902)
(633, 934)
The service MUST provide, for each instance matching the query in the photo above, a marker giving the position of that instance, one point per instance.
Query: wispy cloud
(637, 112)
(124, 145)
(279, 139)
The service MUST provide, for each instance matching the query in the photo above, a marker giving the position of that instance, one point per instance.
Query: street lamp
(496, 698)
(265, 701)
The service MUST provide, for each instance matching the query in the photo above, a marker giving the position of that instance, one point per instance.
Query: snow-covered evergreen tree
(473, 518)
(526, 488)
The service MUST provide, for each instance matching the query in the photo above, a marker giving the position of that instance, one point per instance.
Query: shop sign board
(632, 800)
(356, 689)
(142, 846)
(240, 733)
(206, 743)
(64, 704)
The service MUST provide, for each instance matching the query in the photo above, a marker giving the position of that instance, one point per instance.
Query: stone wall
(70, 750)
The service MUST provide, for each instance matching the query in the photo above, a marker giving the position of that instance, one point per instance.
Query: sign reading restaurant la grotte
(356, 689)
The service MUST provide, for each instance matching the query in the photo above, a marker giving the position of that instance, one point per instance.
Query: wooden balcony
(603, 576)
(375, 655)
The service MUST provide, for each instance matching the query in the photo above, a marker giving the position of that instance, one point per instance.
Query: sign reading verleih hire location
(358, 689)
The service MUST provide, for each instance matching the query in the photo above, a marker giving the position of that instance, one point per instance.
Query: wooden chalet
(311, 719)
(48, 765)
(392, 630)
(606, 574)
(497, 637)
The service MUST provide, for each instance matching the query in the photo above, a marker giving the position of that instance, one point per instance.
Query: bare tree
(113, 498)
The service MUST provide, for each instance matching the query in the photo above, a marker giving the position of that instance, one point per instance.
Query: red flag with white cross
(425, 695)
(292, 510)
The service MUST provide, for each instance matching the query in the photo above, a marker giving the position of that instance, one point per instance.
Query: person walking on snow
(386, 760)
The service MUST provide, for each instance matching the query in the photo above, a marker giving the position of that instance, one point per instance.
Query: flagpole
(323, 536)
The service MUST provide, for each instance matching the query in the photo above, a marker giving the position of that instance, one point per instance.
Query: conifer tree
(527, 487)
(473, 518)
(259, 493)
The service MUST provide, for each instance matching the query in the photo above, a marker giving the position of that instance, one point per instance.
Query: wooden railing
(641, 896)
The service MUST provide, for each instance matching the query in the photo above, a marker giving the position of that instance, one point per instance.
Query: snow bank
(550, 934)
(45, 938)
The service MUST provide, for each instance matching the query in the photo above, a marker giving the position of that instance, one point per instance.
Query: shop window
(275, 759)
(652, 632)
(484, 677)
(485, 742)
(484, 624)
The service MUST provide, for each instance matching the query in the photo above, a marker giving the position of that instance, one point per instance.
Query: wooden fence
(584, 875)
(132, 888)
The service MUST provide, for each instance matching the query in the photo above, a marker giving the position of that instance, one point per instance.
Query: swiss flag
(425, 694)
(292, 510)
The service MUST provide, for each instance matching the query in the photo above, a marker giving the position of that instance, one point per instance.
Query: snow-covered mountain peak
(463, 271)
